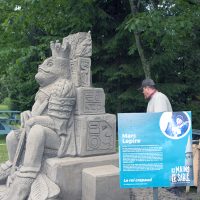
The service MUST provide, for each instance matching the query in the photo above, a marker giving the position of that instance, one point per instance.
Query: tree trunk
(144, 61)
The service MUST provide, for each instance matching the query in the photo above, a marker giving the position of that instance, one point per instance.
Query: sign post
(155, 193)
(155, 150)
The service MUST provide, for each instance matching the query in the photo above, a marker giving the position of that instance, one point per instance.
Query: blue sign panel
(155, 149)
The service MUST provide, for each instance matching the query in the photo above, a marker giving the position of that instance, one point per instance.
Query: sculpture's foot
(3, 192)
(20, 188)
(44, 189)
(5, 170)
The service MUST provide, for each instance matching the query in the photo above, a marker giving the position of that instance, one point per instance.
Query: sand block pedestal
(102, 182)
(95, 134)
(67, 172)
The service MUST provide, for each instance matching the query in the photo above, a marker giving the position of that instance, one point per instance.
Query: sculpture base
(67, 172)
(102, 183)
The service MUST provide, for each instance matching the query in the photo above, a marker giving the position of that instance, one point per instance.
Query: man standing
(158, 102)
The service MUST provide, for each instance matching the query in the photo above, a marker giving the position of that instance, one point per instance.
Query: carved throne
(94, 129)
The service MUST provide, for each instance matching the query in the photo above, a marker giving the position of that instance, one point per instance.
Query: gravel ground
(177, 193)
(192, 195)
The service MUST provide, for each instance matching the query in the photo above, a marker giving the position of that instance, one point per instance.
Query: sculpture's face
(50, 70)
(46, 72)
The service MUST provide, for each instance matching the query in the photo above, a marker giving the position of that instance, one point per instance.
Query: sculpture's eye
(49, 63)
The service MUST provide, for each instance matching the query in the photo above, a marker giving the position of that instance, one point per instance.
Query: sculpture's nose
(41, 66)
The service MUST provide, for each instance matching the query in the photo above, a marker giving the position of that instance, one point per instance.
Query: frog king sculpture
(67, 119)
(49, 125)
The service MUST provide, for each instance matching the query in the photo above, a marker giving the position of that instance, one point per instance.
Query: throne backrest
(80, 61)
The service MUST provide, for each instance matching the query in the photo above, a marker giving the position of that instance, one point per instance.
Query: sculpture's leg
(37, 139)
(11, 141)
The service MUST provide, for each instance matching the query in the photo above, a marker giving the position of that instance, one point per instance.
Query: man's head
(148, 88)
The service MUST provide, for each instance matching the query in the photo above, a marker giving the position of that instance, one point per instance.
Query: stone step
(102, 182)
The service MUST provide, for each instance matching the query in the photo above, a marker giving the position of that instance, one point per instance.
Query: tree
(135, 6)
(168, 46)
(26, 31)
(169, 31)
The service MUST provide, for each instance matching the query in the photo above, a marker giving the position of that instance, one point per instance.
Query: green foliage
(169, 32)
(6, 104)
(170, 37)
(26, 29)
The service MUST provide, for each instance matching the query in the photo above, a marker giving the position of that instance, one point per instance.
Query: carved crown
(59, 50)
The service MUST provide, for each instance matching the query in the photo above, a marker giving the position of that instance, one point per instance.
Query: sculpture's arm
(61, 107)
(46, 121)
(61, 110)
(39, 106)
(58, 114)
(24, 116)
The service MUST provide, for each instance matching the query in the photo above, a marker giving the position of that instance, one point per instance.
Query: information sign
(155, 149)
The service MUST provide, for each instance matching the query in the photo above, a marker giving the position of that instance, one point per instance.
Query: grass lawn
(3, 149)
(4, 107)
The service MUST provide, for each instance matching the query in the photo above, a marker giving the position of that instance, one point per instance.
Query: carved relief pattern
(100, 136)
(74, 72)
(81, 44)
(93, 101)
(84, 66)
(80, 71)
(81, 51)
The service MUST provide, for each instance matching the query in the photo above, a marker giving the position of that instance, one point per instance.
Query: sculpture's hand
(45, 121)
(24, 117)
(28, 124)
